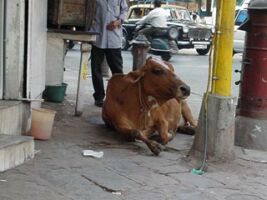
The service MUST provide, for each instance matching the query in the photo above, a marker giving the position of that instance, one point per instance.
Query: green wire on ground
(200, 170)
(197, 171)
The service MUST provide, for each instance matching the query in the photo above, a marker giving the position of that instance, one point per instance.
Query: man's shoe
(99, 103)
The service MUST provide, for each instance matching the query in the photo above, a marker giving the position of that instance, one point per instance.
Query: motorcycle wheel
(203, 52)
(125, 43)
(166, 57)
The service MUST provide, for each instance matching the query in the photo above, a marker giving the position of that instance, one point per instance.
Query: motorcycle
(160, 41)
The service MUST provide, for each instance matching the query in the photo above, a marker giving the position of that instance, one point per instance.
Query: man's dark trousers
(114, 60)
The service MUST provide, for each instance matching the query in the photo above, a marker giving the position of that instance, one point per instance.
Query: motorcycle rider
(156, 19)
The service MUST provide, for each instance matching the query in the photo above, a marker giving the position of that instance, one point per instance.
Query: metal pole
(222, 65)
(139, 51)
(80, 98)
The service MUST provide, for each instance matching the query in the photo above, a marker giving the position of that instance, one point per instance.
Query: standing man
(107, 22)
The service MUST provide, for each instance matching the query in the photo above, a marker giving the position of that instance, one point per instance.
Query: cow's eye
(157, 71)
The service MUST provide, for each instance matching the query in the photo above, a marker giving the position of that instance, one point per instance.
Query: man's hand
(113, 25)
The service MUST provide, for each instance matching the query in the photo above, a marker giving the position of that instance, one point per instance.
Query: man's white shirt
(156, 18)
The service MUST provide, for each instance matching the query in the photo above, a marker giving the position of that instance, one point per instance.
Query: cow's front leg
(152, 145)
(128, 132)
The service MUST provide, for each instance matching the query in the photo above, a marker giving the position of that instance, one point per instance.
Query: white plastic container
(42, 123)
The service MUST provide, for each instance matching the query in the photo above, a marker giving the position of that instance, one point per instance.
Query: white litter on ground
(116, 193)
(91, 153)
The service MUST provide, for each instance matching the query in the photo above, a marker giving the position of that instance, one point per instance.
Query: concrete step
(15, 150)
(14, 117)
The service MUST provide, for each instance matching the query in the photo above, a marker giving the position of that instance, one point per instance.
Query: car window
(178, 14)
(241, 17)
(138, 13)
(184, 14)
(171, 14)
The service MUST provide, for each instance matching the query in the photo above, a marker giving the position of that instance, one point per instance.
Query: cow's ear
(169, 65)
(148, 60)
(136, 75)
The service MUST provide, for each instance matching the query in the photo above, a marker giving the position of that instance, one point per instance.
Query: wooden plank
(78, 13)
(72, 14)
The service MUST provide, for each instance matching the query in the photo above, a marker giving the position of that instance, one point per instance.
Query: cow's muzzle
(183, 91)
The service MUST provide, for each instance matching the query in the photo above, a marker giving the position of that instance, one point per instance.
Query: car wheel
(203, 52)
(125, 43)
(166, 57)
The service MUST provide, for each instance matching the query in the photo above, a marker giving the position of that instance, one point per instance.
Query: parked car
(191, 34)
(239, 35)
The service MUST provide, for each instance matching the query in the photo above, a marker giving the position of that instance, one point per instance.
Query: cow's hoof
(155, 148)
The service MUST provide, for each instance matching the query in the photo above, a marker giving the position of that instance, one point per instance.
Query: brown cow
(147, 104)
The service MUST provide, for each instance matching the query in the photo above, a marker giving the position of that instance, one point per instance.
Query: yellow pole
(223, 48)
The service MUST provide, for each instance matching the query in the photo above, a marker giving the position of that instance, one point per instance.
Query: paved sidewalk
(127, 170)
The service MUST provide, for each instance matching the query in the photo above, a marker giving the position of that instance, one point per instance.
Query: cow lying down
(147, 104)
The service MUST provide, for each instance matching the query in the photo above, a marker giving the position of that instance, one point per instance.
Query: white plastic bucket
(42, 123)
